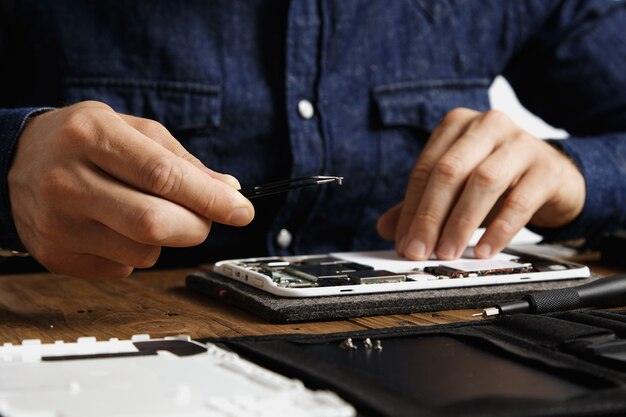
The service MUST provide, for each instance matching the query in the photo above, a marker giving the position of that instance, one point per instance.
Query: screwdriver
(603, 292)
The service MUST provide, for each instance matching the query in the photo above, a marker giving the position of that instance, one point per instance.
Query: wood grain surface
(52, 307)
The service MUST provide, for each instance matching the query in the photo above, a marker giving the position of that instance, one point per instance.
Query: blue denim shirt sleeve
(603, 164)
(12, 122)
(573, 76)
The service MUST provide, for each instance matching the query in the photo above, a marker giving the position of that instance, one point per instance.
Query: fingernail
(241, 215)
(232, 181)
(416, 249)
(446, 250)
(483, 250)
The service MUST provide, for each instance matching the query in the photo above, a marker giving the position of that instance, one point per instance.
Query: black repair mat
(291, 310)
(554, 365)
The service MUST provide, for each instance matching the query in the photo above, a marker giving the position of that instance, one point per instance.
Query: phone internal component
(316, 272)
(375, 277)
(333, 281)
(326, 260)
(471, 269)
(286, 280)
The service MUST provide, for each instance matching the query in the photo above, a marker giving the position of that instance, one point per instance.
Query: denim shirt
(227, 78)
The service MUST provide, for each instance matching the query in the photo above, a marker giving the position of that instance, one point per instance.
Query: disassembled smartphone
(349, 273)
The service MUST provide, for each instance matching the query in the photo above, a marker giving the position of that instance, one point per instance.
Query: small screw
(368, 343)
(347, 344)
(378, 345)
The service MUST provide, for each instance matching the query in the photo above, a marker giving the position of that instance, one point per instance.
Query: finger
(523, 201)
(93, 238)
(159, 133)
(451, 127)
(140, 217)
(145, 164)
(489, 181)
(477, 142)
(388, 221)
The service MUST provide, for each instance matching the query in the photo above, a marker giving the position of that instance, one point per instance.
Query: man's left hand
(481, 168)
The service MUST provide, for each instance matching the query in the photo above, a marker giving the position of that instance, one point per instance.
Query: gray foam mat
(292, 310)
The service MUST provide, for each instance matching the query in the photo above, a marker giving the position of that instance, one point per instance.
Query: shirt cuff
(12, 122)
(603, 165)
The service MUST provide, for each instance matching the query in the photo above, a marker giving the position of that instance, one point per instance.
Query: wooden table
(51, 307)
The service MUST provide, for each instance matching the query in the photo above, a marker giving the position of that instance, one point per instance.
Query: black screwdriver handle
(603, 292)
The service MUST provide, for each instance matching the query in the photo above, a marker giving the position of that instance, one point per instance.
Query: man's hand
(475, 168)
(95, 193)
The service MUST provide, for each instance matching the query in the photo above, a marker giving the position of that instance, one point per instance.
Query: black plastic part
(514, 307)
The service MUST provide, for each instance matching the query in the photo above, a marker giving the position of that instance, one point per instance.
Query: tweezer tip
(323, 179)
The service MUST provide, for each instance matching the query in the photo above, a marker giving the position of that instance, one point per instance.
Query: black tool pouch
(563, 364)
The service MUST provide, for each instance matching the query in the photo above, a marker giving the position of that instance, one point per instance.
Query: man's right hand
(95, 193)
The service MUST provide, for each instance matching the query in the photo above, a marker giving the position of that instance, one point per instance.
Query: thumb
(388, 221)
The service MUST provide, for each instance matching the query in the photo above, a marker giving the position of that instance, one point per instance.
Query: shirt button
(305, 108)
(284, 238)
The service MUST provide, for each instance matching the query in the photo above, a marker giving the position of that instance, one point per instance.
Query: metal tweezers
(286, 185)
